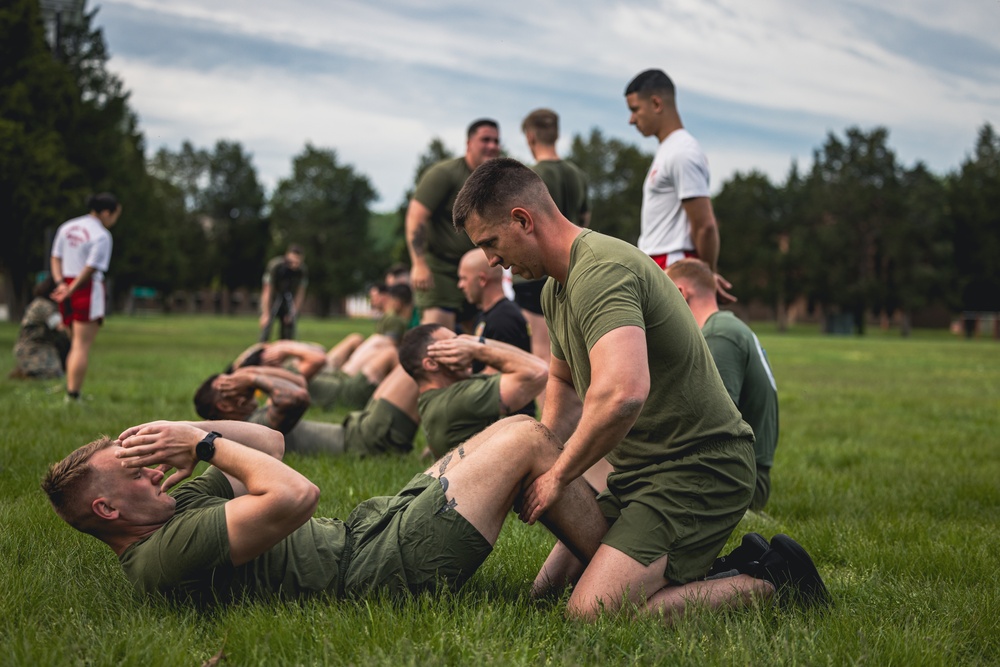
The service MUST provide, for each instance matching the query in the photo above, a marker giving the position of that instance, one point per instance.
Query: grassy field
(888, 470)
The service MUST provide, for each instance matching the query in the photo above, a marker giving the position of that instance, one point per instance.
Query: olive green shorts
(381, 428)
(445, 292)
(413, 541)
(763, 489)
(683, 508)
(328, 389)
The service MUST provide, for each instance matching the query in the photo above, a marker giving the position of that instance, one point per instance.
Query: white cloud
(403, 72)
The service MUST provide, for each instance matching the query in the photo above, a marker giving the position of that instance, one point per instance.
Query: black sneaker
(791, 571)
(742, 558)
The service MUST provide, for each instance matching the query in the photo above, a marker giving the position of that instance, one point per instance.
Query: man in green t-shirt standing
(245, 527)
(741, 361)
(435, 247)
(631, 377)
(567, 186)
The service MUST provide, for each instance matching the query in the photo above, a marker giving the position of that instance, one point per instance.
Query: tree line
(856, 233)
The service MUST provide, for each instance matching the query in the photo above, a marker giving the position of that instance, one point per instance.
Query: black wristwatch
(205, 449)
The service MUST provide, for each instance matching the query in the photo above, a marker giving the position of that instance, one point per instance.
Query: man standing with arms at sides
(631, 377)
(81, 253)
(435, 247)
(742, 364)
(567, 186)
(677, 216)
(283, 289)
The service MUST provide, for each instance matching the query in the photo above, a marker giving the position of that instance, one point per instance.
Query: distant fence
(980, 323)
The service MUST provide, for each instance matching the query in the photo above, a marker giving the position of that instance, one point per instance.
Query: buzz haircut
(495, 187)
(651, 82)
(66, 482)
(481, 122)
(544, 123)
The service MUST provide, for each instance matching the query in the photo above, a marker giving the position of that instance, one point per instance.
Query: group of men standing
(630, 379)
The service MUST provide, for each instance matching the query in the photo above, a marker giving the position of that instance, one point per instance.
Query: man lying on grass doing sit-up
(244, 528)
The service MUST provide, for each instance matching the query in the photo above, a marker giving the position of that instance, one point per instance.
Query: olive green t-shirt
(747, 375)
(568, 186)
(188, 557)
(392, 326)
(612, 284)
(437, 190)
(452, 415)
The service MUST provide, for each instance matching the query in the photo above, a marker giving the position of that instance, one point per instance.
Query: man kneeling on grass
(244, 527)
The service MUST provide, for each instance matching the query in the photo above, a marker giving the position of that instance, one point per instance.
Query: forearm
(82, 279)
(55, 267)
(522, 374)
(265, 299)
(704, 229)
(561, 412)
(606, 419)
(706, 243)
(417, 217)
(310, 359)
(248, 434)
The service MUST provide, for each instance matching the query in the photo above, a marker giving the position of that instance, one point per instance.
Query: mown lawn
(888, 470)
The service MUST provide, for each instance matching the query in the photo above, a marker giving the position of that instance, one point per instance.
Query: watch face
(205, 449)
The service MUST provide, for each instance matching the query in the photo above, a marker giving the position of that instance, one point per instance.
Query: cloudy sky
(759, 84)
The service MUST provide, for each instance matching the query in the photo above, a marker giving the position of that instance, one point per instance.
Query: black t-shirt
(505, 323)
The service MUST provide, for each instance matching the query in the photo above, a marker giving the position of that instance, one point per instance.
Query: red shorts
(85, 304)
(665, 260)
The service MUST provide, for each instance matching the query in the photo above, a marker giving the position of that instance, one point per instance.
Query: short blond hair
(67, 482)
(695, 272)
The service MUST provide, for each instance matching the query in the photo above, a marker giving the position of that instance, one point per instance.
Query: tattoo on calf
(461, 452)
(445, 460)
(450, 505)
(444, 484)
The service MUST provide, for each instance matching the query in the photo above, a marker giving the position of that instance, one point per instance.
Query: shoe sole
(724, 564)
(808, 584)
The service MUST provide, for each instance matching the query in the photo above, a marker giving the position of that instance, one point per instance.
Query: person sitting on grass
(742, 364)
(454, 403)
(244, 528)
(387, 424)
(42, 342)
(345, 376)
(398, 309)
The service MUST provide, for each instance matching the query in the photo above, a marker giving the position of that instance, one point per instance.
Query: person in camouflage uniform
(42, 344)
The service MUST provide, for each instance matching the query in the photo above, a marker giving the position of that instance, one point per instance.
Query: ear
(523, 217)
(103, 509)
(429, 365)
(657, 103)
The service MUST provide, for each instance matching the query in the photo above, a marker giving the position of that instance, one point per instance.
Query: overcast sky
(759, 83)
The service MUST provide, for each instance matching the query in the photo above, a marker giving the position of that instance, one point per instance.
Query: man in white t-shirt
(677, 217)
(81, 253)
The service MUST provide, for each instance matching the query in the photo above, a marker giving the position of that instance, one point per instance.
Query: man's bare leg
(483, 478)
(375, 363)
(338, 355)
(78, 359)
(612, 578)
(401, 390)
(561, 567)
(445, 318)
